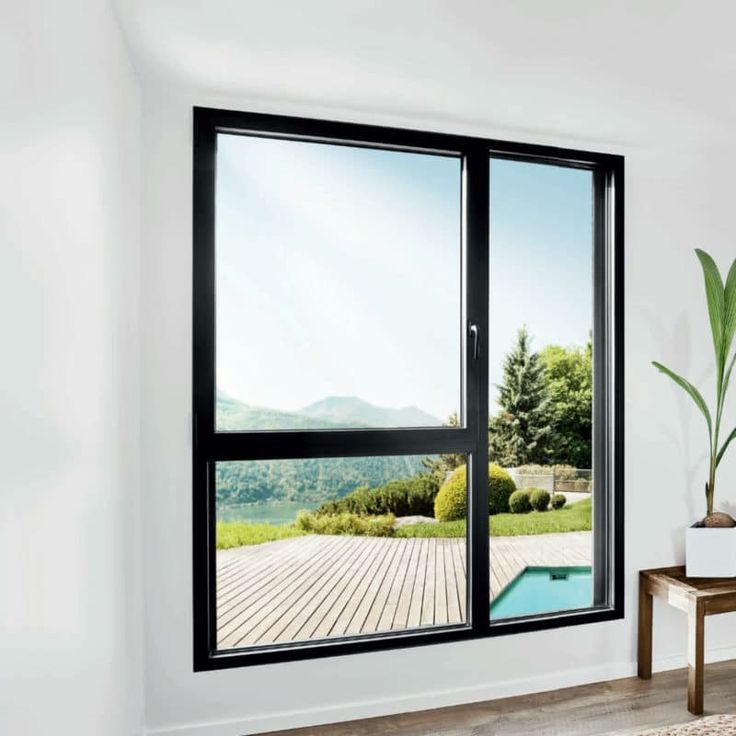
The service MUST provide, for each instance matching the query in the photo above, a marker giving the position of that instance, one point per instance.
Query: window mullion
(476, 190)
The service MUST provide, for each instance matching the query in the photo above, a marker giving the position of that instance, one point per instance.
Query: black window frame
(210, 446)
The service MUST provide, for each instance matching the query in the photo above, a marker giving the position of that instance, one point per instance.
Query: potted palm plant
(711, 542)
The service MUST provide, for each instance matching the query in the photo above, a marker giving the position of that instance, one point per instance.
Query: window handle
(475, 336)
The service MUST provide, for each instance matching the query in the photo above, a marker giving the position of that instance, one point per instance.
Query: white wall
(70, 582)
(678, 197)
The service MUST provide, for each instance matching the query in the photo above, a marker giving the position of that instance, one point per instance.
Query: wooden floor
(322, 586)
(620, 708)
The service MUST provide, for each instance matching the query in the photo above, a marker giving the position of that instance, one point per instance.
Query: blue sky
(338, 270)
(541, 256)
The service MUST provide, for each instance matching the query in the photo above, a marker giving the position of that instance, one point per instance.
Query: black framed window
(354, 287)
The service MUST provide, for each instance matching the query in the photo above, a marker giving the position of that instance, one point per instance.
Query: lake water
(278, 513)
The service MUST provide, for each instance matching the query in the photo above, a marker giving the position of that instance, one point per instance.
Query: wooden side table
(698, 597)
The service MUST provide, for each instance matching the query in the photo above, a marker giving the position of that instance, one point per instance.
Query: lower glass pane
(332, 547)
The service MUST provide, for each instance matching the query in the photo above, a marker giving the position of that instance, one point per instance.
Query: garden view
(540, 442)
(340, 297)
(539, 483)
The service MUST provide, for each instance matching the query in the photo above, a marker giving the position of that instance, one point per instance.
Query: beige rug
(711, 726)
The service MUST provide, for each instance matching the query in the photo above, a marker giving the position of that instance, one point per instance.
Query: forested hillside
(311, 480)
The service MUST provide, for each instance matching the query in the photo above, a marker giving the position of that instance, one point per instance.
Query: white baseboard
(435, 699)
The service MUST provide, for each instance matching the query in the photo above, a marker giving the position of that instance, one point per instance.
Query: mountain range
(332, 412)
(352, 410)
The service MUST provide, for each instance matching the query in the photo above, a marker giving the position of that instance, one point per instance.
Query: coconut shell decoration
(719, 520)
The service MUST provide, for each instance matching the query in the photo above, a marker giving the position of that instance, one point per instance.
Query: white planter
(710, 553)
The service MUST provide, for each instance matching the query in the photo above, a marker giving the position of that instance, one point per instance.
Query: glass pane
(540, 428)
(338, 283)
(330, 547)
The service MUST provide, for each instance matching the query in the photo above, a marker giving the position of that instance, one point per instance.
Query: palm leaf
(729, 309)
(727, 376)
(715, 298)
(724, 446)
(695, 395)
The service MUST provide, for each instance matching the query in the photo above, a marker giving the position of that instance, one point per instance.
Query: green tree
(569, 376)
(520, 432)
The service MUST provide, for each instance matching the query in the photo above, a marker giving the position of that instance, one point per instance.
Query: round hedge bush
(519, 502)
(451, 502)
(557, 501)
(500, 487)
(540, 499)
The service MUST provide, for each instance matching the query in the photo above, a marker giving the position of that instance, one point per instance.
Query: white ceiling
(597, 70)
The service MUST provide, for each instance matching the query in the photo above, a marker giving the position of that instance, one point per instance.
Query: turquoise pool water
(543, 590)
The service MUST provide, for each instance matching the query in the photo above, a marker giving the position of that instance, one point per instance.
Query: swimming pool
(543, 590)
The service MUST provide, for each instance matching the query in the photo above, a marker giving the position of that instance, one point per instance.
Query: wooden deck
(315, 586)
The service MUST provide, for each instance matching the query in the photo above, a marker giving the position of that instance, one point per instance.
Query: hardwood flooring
(620, 707)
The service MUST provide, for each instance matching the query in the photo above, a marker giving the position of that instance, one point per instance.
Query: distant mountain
(333, 412)
(235, 415)
(345, 410)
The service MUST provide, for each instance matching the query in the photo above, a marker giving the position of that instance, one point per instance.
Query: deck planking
(316, 587)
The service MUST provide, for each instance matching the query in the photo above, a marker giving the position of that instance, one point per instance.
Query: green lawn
(573, 518)
(239, 534)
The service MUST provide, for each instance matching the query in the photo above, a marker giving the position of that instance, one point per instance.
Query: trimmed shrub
(406, 497)
(557, 501)
(519, 502)
(539, 499)
(500, 487)
(346, 523)
(451, 502)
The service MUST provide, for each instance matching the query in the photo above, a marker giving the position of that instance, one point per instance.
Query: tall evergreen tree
(520, 432)
(569, 373)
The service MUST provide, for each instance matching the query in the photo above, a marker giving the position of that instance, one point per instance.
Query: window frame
(210, 446)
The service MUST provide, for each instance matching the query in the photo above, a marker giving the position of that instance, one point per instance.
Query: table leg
(645, 632)
(695, 657)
